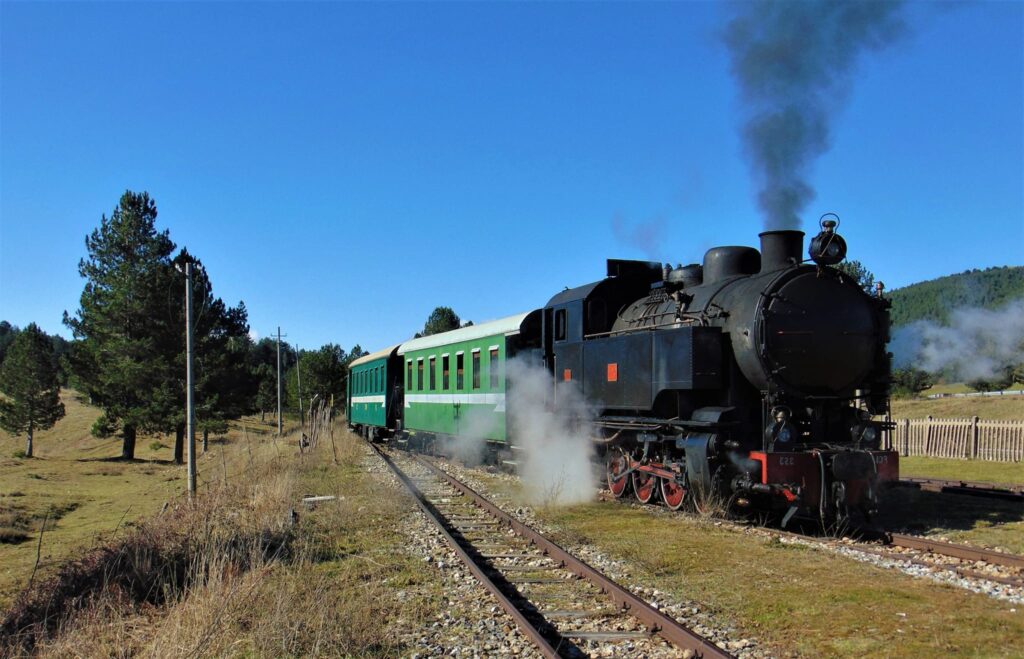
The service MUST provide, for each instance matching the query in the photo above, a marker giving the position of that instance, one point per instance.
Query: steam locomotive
(755, 379)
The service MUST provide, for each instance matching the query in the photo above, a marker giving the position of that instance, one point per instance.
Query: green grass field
(966, 470)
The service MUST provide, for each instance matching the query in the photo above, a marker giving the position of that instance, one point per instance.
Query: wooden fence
(971, 438)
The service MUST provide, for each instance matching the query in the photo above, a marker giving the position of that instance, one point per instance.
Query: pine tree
(442, 319)
(29, 382)
(861, 275)
(121, 357)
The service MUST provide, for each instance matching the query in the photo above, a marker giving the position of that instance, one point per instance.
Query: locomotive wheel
(615, 465)
(645, 485)
(672, 493)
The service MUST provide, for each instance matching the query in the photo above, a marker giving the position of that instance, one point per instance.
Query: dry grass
(947, 388)
(236, 574)
(986, 407)
(80, 476)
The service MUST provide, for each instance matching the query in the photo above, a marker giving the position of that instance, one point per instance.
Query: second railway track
(1008, 492)
(564, 606)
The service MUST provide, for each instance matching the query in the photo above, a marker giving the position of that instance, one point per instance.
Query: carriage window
(379, 378)
(433, 373)
(459, 365)
(419, 374)
(476, 369)
(560, 325)
(408, 378)
(494, 368)
(444, 372)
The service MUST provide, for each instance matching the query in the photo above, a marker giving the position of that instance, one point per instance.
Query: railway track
(971, 488)
(560, 603)
(923, 552)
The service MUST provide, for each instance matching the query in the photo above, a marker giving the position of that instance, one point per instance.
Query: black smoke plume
(793, 61)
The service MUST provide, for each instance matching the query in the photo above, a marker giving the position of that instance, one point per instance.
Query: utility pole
(298, 382)
(279, 381)
(190, 411)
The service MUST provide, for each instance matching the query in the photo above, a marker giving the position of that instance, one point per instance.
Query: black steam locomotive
(755, 379)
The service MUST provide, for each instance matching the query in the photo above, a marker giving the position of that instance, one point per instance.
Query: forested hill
(932, 300)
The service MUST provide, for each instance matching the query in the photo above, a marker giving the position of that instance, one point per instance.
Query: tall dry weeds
(237, 528)
(234, 573)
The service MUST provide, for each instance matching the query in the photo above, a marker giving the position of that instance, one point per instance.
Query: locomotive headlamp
(866, 435)
(828, 247)
(778, 429)
(869, 438)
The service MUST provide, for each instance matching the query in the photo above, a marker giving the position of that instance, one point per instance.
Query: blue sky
(345, 168)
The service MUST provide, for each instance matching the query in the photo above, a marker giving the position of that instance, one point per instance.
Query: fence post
(974, 438)
(928, 437)
(906, 438)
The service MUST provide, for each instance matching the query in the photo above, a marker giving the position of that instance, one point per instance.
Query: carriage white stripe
(498, 400)
(369, 399)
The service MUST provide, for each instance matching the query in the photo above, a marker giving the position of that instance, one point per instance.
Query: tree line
(128, 349)
(933, 300)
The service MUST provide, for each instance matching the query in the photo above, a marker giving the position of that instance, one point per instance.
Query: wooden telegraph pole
(298, 383)
(190, 412)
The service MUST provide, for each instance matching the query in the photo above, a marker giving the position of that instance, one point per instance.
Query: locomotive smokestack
(781, 249)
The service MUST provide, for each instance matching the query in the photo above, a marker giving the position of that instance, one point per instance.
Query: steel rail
(522, 622)
(666, 627)
(970, 488)
(966, 573)
(962, 552)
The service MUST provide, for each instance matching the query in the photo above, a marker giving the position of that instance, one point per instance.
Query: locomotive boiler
(756, 379)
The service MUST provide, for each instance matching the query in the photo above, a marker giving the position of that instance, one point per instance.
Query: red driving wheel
(645, 485)
(616, 465)
(672, 493)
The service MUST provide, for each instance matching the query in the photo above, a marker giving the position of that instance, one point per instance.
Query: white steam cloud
(557, 465)
(469, 444)
(975, 344)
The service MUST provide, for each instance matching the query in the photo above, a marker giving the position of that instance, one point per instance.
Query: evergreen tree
(910, 381)
(266, 393)
(442, 319)
(861, 275)
(7, 334)
(29, 383)
(123, 323)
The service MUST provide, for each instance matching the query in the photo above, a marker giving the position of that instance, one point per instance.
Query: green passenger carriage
(455, 382)
(374, 393)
